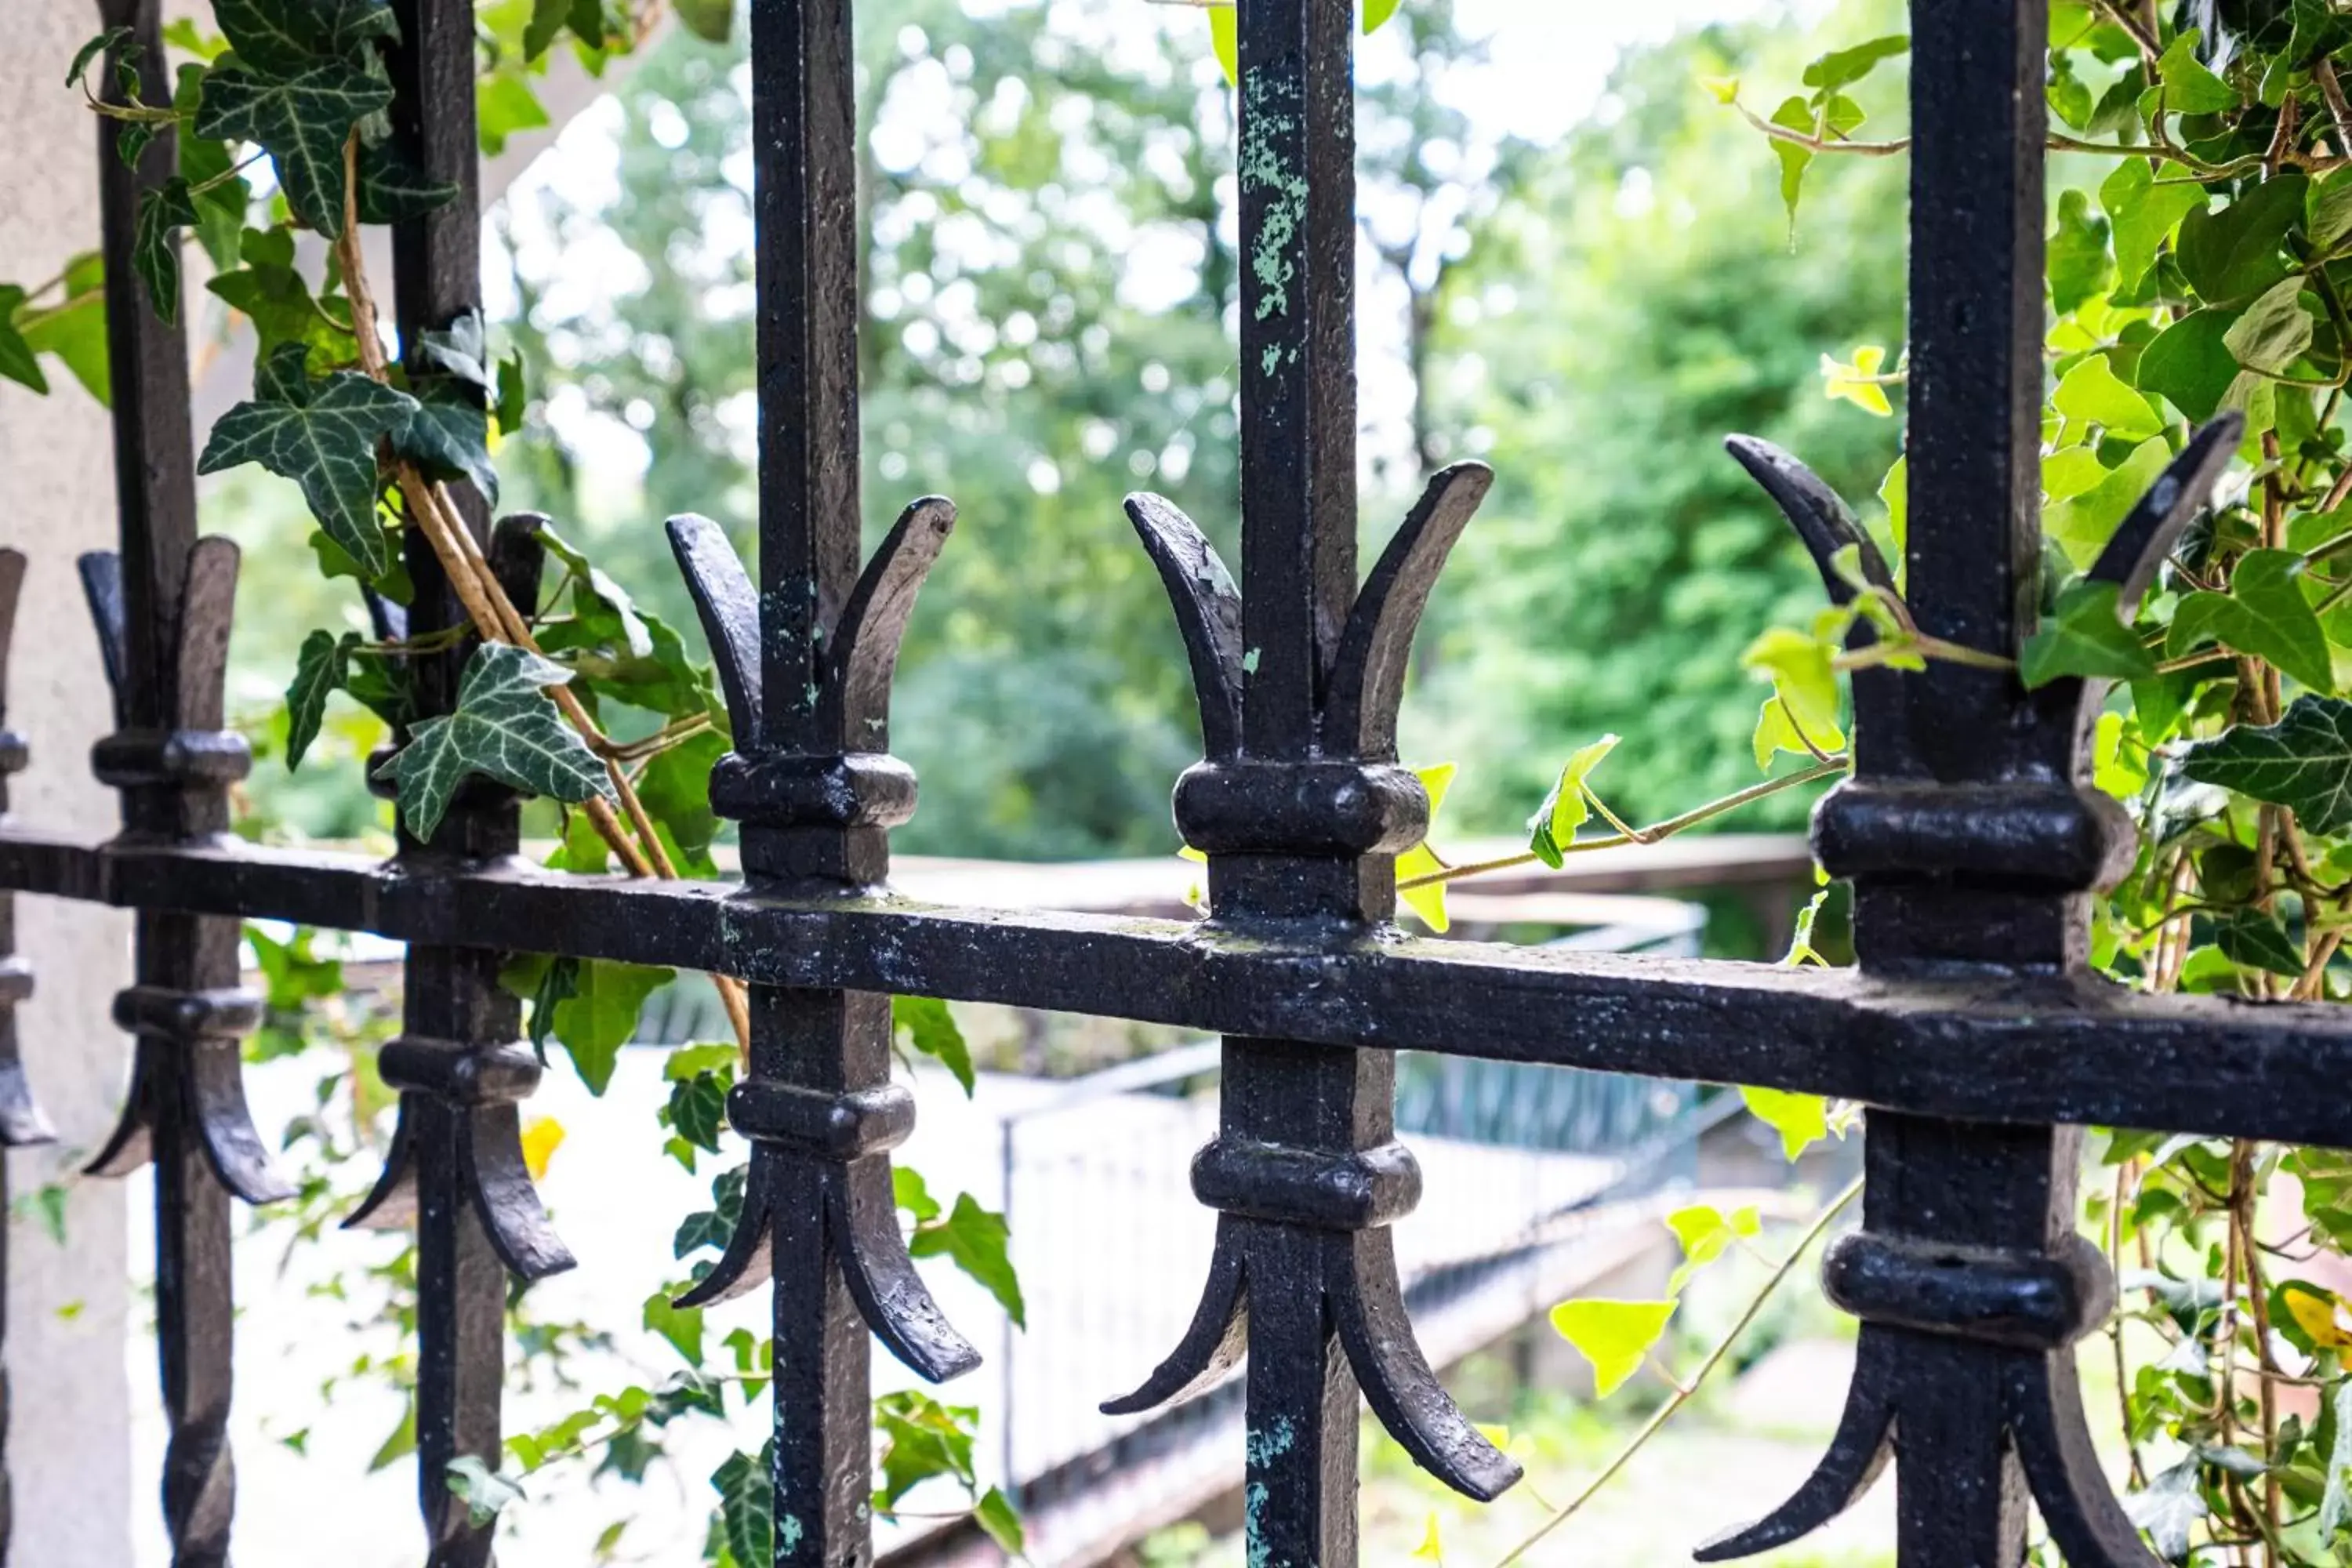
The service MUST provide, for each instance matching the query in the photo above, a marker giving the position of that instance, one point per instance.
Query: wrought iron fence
(1971, 1027)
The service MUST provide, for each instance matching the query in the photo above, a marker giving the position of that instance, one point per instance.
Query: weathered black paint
(1973, 1027)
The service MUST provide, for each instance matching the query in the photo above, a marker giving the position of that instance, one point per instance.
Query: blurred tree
(1612, 321)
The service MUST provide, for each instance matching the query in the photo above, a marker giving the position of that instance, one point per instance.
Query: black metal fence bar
(1973, 1027)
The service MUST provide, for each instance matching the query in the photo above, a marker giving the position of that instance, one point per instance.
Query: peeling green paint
(1264, 169)
(788, 1531)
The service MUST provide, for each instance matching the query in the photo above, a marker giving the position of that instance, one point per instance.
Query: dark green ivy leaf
(713, 20)
(2304, 762)
(697, 1109)
(220, 193)
(392, 189)
(2085, 636)
(2232, 253)
(2190, 362)
(321, 435)
(323, 665)
(2254, 939)
(459, 350)
(976, 1240)
(106, 42)
(301, 120)
(2263, 614)
(512, 401)
(747, 1507)
(447, 432)
(504, 728)
(156, 244)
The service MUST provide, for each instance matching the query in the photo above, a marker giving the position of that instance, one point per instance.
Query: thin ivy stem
(1666, 829)
(1684, 1392)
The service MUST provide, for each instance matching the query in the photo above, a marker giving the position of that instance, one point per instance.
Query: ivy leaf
(17, 361)
(681, 1326)
(1427, 901)
(1705, 1233)
(1225, 41)
(633, 637)
(323, 665)
(512, 399)
(2232, 253)
(1800, 1120)
(2092, 394)
(301, 120)
(2078, 265)
(1377, 14)
(921, 1439)
(2169, 1509)
(2263, 614)
(994, 1512)
(2304, 762)
(600, 1013)
(547, 19)
(273, 294)
(2256, 940)
(1803, 678)
(106, 42)
(747, 1519)
(458, 350)
(392, 189)
(908, 1190)
(1566, 808)
(220, 193)
(975, 1240)
(2144, 214)
(2274, 331)
(281, 36)
(2327, 211)
(1615, 1336)
(483, 1490)
(2189, 87)
(930, 1029)
(2086, 636)
(1855, 382)
(448, 433)
(712, 21)
(156, 244)
(674, 790)
(2081, 526)
(1844, 68)
(698, 1108)
(1775, 734)
(504, 728)
(322, 436)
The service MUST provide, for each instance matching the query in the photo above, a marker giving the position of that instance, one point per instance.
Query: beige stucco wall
(68, 1309)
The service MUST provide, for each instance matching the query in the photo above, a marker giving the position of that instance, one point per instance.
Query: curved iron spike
(1818, 514)
(1367, 678)
(101, 586)
(1396, 1378)
(1207, 613)
(132, 1145)
(1857, 1453)
(864, 653)
(215, 1083)
(207, 603)
(2069, 1485)
(744, 1264)
(506, 1201)
(2156, 522)
(1212, 1344)
(729, 610)
(517, 558)
(504, 1196)
(391, 1204)
(892, 1298)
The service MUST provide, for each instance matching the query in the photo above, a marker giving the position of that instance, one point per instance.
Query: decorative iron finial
(811, 779)
(1311, 1218)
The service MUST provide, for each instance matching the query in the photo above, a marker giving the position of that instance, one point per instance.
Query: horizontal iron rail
(2003, 1048)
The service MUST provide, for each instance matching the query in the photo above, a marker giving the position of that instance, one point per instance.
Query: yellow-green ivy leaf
(1615, 1336)
(1800, 1120)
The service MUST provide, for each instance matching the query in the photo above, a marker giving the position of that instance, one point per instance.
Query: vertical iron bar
(1298, 582)
(156, 504)
(447, 994)
(1298, 358)
(804, 204)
